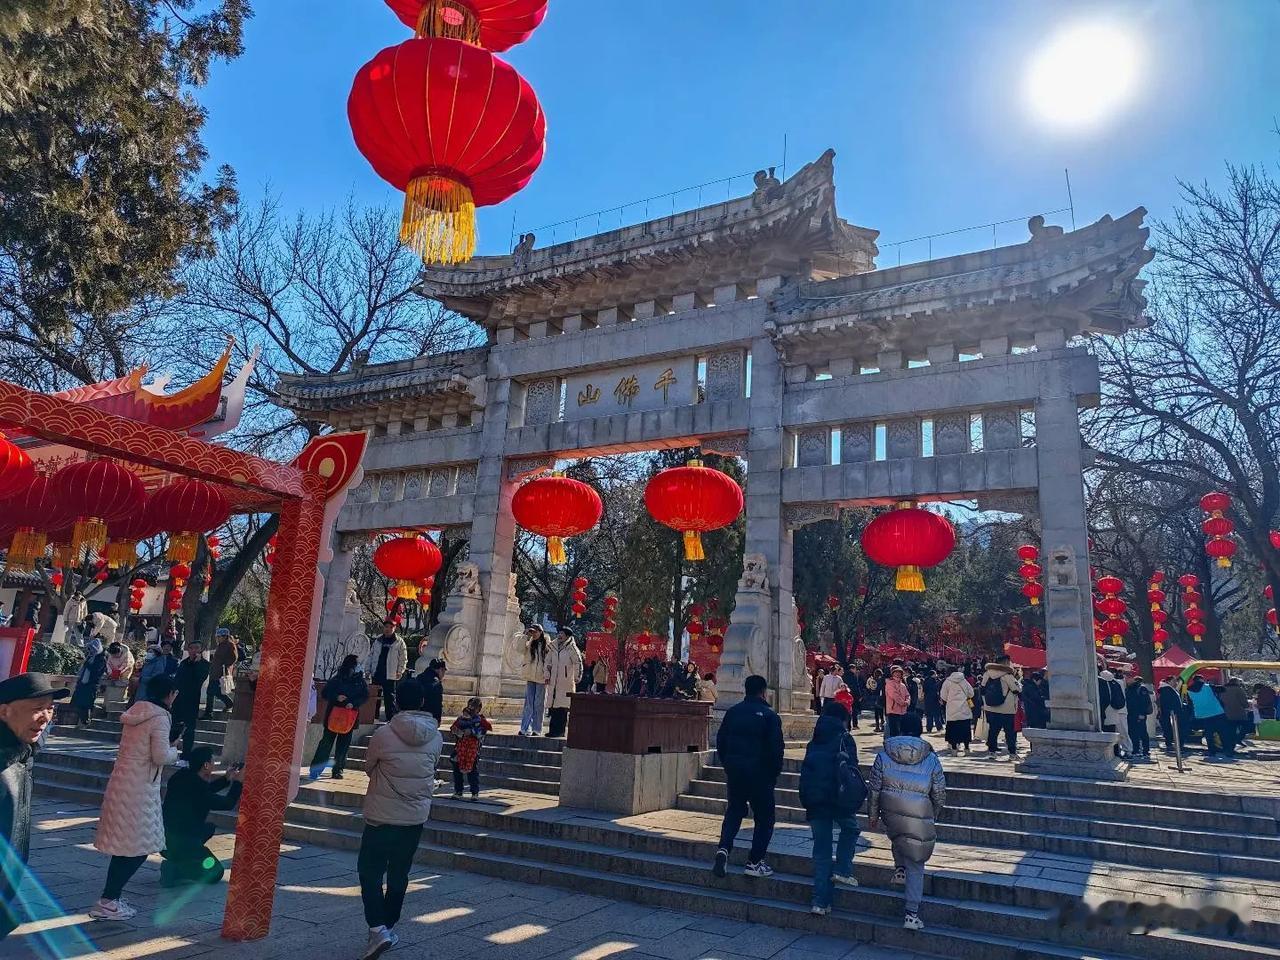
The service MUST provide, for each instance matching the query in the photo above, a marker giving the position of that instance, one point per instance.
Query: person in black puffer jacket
(830, 764)
(346, 688)
(749, 744)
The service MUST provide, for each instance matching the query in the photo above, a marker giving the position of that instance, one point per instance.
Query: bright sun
(1083, 75)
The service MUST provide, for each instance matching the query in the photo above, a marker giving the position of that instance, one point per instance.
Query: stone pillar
(759, 639)
(1074, 744)
(339, 610)
(454, 636)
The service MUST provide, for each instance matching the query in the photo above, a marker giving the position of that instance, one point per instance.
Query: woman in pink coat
(131, 824)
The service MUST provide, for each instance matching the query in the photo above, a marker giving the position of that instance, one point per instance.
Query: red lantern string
(1218, 528)
(1115, 626)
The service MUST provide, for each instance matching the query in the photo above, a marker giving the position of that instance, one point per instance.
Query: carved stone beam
(518, 469)
(801, 514)
(354, 541)
(730, 446)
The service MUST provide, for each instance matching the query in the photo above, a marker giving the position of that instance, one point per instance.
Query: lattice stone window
(542, 402)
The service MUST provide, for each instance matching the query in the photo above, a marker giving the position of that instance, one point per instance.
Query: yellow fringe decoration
(449, 18)
(909, 580)
(406, 590)
(182, 547)
(693, 546)
(1035, 601)
(26, 546)
(1224, 562)
(121, 553)
(555, 551)
(89, 533)
(439, 221)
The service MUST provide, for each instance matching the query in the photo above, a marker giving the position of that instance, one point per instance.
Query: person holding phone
(191, 795)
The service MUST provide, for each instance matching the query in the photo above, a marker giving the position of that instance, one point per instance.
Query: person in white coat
(534, 672)
(131, 824)
(956, 695)
(564, 670)
(386, 663)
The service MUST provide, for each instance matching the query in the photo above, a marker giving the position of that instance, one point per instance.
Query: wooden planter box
(637, 725)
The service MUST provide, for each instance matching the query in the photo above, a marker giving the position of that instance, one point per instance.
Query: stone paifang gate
(758, 327)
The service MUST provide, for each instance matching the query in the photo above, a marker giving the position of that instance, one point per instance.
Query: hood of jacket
(828, 729)
(908, 750)
(1106, 675)
(413, 727)
(999, 668)
(956, 675)
(141, 712)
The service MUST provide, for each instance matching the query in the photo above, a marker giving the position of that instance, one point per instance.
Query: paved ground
(449, 916)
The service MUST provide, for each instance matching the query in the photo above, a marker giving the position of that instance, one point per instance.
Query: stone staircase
(979, 901)
(1111, 823)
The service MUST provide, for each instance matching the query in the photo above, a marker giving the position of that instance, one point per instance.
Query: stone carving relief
(542, 402)
(951, 434)
(768, 187)
(513, 648)
(814, 448)
(725, 375)
(755, 574)
(1062, 567)
(467, 478)
(524, 248)
(746, 645)
(523, 467)
(799, 666)
(387, 487)
(1001, 429)
(364, 492)
(734, 446)
(857, 442)
(1040, 232)
(801, 514)
(454, 637)
(440, 482)
(902, 439)
(413, 485)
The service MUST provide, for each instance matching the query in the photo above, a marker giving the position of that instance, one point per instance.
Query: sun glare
(1083, 75)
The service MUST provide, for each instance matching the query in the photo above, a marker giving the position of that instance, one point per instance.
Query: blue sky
(923, 101)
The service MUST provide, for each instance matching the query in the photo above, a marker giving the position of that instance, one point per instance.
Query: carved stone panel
(857, 442)
(1001, 429)
(542, 402)
(814, 448)
(364, 492)
(441, 482)
(801, 514)
(727, 446)
(726, 375)
(951, 434)
(522, 467)
(413, 485)
(902, 439)
(467, 478)
(387, 484)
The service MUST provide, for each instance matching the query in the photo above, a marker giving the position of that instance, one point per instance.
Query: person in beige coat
(131, 824)
(956, 695)
(564, 670)
(999, 689)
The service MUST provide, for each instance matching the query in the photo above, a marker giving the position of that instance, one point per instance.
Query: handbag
(226, 685)
(342, 720)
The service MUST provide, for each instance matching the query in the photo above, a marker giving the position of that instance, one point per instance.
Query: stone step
(957, 928)
(1107, 850)
(1224, 834)
(491, 752)
(113, 736)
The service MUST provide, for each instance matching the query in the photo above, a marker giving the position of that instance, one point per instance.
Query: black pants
(749, 791)
(190, 865)
(327, 741)
(1138, 736)
(559, 722)
(189, 729)
(893, 725)
(385, 852)
(389, 709)
(879, 714)
(215, 693)
(997, 722)
(473, 779)
(120, 872)
(1166, 730)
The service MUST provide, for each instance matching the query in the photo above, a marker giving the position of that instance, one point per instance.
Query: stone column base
(625, 783)
(1084, 754)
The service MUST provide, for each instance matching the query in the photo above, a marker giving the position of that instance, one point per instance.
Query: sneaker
(844, 879)
(336, 775)
(912, 921)
(521, 733)
(474, 797)
(180, 765)
(395, 939)
(899, 877)
(722, 862)
(457, 794)
(818, 911)
(112, 910)
(760, 869)
(380, 941)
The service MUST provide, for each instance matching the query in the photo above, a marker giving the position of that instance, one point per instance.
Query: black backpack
(1144, 700)
(852, 788)
(1116, 693)
(993, 694)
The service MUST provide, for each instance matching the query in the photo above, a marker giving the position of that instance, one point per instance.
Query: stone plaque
(641, 386)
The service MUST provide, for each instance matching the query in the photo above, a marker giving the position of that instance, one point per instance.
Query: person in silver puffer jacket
(908, 791)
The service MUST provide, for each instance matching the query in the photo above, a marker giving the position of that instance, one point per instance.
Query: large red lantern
(16, 469)
(1221, 549)
(556, 507)
(32, 513)
(693, 499)
(452, 126)
(1028, 553)
(493, 24)
(408, 559)
(96, 493)
(185, 509)
(910, 539)
(123, 535)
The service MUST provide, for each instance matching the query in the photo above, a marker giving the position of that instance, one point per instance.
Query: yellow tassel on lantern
(1224, 561)
(910, 579)
(406, 590)
(1035, 601)
(26, 546)
(121, 553)
(439, 221)
(62, 556)
(693, 546)
(555, 551)
(449, 18)
(182, 547)
(88, 533)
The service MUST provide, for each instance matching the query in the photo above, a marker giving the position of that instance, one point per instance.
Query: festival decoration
(1115, 626)
(693, 499)
(1274, 537)
(269, 554)
(32, 512)
(580, 596)
(124, 534)
(1272, 621)
(1030, 572)
(185, 509)
(910, 539)
(453, 127)
(1156, 597)
(16, 469)
(496, 25)
(556, 507)
(95, 493)
(407, 558)
(1218, 528)
(1192, 612)
(137, 590)
(610, 613)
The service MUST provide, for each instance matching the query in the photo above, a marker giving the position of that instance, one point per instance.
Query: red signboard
(15, 650)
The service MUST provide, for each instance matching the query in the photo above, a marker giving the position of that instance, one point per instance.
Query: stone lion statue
(755, 573)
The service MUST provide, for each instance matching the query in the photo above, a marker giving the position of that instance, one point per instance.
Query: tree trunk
(225, 581)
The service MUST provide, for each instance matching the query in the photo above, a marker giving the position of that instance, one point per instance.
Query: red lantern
(1157, 577)
(453, 127)
(1215, 503)
(1116, 628)
(101, 575)
(1159, 636)
(31, 513)
(1112, 607)
(96, 493)
(1274, 536)
(1030, 571)
(833, 602)
(580, 583)
(139, 584)
(1222, 550)
(579, 596)
(556, 507)
(180, 571)
(57, 580)
(1159, 616)
(693, 628)
(1189, 581)
(496, 25)
(1033, 592)
(694, 500)
(407, 559)
(1217, 526)
(579, 609)
(1271, 616)
(185, 509)
(1110, 585)
(1196, 629)
(1156, 597)
(1194, 613)
(1027, 553)
(910, 539)
(1268, 592)
(1192, 597)
(16, 469)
